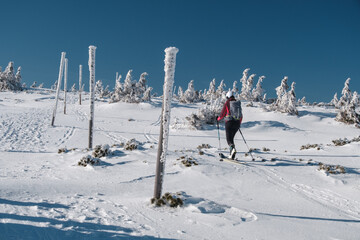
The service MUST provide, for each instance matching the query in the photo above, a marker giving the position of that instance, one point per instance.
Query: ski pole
(247, 145)
(217, 122)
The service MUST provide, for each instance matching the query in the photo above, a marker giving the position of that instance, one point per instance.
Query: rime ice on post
(92, 92)
(170, 62)
(65, 83)
(80, 82)
(58, 85)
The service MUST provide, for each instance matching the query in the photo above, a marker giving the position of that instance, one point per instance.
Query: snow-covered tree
(9, 80)
(220, 91)
(180, 93)
(257, 92)
(54, 86)
(140, 86)
(41, 85)
(34, 85)
(281, 91)
(244, 84)
(346, 94)
(105, 92)
(335, 100)
(131, 91)
(286, 101)
(18, 76)
(147, 94)
(235, 89)
(99, 88)
(291, 101)
(189, 95)
(128, 87)
(73, 88)
(302, 101)
(211, 93)
(348, 114)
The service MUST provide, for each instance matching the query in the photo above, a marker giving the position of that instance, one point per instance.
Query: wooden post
(65, 83)
(170, 62)
(92, 92)
(61, 69)
(80, 83)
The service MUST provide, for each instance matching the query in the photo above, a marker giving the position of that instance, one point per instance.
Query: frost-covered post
(80, 83)
(92, 92)
(170, 62)
(65, 83)
(61, 68)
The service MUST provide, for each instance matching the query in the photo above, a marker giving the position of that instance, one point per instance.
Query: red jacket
(226, 109)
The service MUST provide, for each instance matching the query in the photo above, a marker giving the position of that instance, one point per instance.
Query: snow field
(45, 195)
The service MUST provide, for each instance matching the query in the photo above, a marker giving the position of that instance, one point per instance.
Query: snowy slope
(45, 195)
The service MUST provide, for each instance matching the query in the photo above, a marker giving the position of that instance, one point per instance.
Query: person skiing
(232, 113)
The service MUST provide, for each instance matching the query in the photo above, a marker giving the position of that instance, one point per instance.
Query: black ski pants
(231, 128)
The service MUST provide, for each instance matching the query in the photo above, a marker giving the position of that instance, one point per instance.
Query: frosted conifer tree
(211, 93)
(10, 81)
(348, 114)
(235, 88)
(291, 101)
(147, 94)
(41, 85)
(99, 88)
(105, 92)
(246, 90)
(243, 81)
(118, 92)
(346, 94)
(54, 86)
(189, 95)
(258, 91)
(128, 83)
(73, 88)
(281, 91)
(220, 91)
(34, 85)
(141, 85)
(335, 100)
(302, 101)
(18, 77)
(180, 93)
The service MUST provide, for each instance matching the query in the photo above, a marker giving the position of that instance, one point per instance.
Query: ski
(224, 158)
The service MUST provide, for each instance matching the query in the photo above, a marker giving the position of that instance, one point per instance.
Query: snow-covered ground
(46, 195)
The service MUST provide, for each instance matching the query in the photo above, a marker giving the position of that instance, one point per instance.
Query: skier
(233, 117)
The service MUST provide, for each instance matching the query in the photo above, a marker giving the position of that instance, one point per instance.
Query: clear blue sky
(316, 43)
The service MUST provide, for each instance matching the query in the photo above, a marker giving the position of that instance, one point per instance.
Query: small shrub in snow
(168, 199)
(101, 151)
(264, 149)
(65, 150)
(88, 160)
(308, 146)
(332, 169)
(187, 161)
(202, 146)
(342, 142)
(132, 144)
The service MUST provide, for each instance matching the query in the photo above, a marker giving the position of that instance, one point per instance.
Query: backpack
(235, 110)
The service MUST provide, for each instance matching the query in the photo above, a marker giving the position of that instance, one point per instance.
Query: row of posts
(170, 61)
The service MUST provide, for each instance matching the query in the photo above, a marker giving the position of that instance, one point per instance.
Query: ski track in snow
(147, 132)
(324, 197)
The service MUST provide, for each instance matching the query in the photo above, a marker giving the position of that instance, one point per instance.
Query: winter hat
(229, 94)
